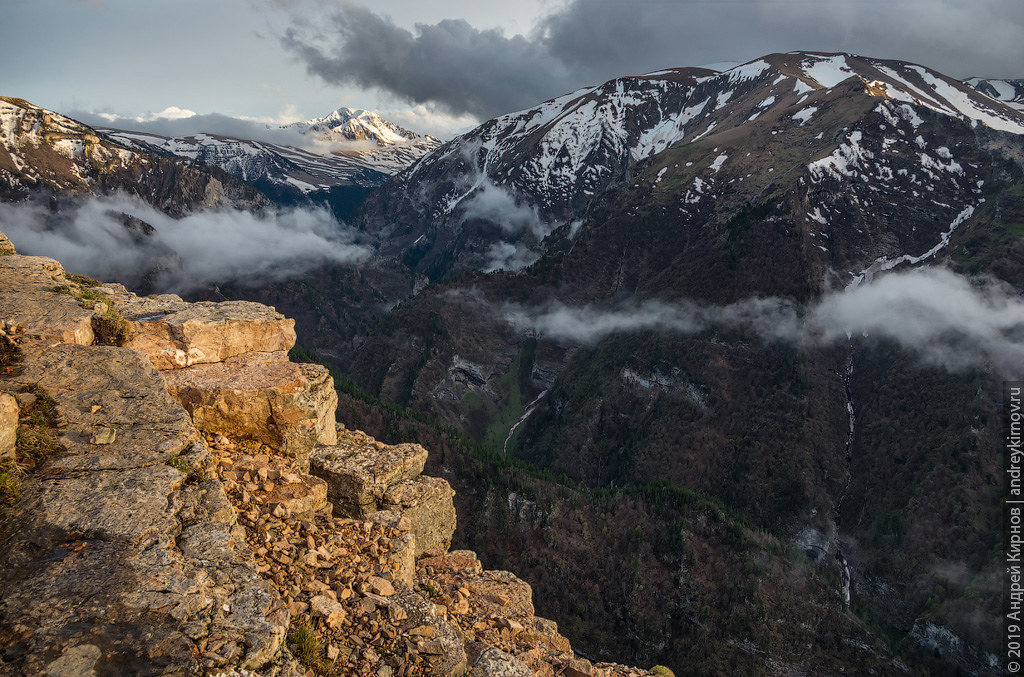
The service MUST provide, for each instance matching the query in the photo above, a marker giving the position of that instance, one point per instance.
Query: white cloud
(943, 318)
(428, 120)
(91, 237)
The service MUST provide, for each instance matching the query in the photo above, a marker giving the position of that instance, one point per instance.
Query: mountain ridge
(558, 157)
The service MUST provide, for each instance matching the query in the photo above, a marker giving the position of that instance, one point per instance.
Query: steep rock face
(40, 149)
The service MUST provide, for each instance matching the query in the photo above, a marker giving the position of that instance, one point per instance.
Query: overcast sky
(440, 65)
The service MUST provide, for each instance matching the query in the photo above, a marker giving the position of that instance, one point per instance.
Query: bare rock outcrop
(177, 334)
(359, 470)
(30, 306)
(428, 504)
(365, 476)
(102, 566)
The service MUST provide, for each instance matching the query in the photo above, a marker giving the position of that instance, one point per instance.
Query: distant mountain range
(350, 151)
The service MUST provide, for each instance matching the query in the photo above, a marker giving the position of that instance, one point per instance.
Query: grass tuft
(83, 280)
(308, 648)
(37, 439)
(193, 473)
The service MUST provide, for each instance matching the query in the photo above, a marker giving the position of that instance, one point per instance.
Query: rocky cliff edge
(182, 501)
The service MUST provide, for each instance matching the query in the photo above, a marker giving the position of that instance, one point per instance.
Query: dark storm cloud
(450, 63)
(485, 72)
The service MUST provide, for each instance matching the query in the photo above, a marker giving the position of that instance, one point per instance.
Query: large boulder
(359, 470)
(428, 504)
(175, 334)
(260, 396)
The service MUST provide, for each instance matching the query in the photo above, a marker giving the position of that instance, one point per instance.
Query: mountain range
(655, 334)
(349, 151)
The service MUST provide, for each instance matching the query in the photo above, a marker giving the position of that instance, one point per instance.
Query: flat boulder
(32, 306)
(103, 388)
(175, 334)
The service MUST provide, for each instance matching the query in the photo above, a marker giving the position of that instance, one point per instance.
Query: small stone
(332, 652)
(333, 613)
(94, 408)
(422, 631)
(103, 436)
(280, 511)
(434, 648)
(25, 400)
(380, 586)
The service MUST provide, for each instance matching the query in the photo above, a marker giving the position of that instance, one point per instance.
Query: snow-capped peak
(356, 124)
